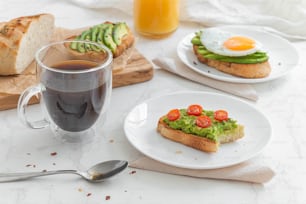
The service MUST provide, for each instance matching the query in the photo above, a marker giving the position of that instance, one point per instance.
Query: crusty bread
(19, 40)
(194, 141)
(258, 70)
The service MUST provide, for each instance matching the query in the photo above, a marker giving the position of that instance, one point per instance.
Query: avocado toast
(253, 65)
(116, 36)
(200, 129)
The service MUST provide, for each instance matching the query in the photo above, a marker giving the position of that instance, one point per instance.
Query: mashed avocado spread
(187, 124)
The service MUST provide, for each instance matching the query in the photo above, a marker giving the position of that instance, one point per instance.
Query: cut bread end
(39, 33)
(197, 142)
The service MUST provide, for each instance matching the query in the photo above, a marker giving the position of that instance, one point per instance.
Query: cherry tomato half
(194, 110)
(173, 114)
(221, 115)
(203, 121)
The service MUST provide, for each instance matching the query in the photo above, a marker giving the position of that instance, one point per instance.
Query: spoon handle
(6, 177)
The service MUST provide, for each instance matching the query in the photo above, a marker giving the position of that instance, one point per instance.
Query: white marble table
(23, 149)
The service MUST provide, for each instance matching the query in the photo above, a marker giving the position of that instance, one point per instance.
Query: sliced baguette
(19, 40)
(197, 142)
(258, 70)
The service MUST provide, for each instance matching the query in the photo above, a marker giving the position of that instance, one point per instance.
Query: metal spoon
(98, 172)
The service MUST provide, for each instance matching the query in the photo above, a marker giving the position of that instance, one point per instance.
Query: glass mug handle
(23, 104)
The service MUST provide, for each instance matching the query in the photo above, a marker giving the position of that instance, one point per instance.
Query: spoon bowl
(104, 170)
(96, 173)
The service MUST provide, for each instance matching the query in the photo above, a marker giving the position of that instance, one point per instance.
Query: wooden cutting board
(137, 70)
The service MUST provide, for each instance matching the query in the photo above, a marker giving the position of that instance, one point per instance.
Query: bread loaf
(20, 38)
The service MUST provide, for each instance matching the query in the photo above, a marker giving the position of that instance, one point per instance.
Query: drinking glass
(156, 18)
(75, 83)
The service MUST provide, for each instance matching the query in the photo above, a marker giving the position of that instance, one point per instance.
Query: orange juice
(156, 18)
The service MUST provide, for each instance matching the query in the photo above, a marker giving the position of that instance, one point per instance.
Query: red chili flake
(53, 153)
(132, 172)
(88, 194)
(107, 197)
(31, 165)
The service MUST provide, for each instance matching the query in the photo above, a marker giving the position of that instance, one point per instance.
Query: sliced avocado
(120, 30)
(74, 45)
(88, 38)
(81, 46)
(94, 38)
(108, 39)
(100, 36)
(196, 41)
(94, 33)
(101, 30)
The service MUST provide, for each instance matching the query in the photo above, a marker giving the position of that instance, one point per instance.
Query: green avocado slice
(119, 31)
(108, 39)
(101, 30)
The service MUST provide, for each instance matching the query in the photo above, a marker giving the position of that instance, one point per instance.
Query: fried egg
(226, 43)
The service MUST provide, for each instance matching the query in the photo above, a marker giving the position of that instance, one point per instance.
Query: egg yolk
(239, 43)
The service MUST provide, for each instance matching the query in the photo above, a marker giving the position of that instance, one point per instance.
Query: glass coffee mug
(74, 89)
(156, 18)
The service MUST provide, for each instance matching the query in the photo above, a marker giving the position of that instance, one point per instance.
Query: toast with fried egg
(249, 65)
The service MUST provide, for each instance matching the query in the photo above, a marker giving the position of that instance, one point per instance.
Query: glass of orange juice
(156, 18)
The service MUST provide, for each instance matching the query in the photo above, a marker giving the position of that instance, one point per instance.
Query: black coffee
(74, 101)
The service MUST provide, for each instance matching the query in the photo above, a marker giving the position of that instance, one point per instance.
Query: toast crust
(259, 70)
(194, 141)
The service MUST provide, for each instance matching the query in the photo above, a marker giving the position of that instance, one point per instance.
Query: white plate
(140, 129)
(283, 57)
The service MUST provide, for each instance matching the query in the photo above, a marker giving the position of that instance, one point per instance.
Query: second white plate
(140, 129)
(283, 57)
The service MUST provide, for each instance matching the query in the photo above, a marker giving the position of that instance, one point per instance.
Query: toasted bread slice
(197, 142)
(258, 70)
